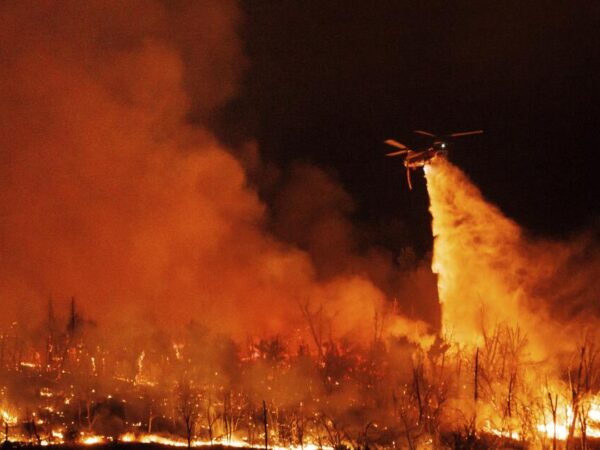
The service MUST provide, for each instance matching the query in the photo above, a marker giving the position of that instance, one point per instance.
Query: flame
(8, 418)
(92, 440)
(485, 273)
(46, 392)
(57, 435)
(476, 250)
(562, 431)
(173, 441)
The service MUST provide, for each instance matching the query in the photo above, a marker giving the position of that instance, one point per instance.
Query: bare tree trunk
(226, 418)
(553, 410)
(37, 435)
(583, 416)
(476, 378)
(88, 407)
(418, 394)
(2, 344)
(300, 427)
(575, 396)
(509, 407)
(316, 334)
(250, 426)
(188, 431)
(409, 439)
(475, 391)
(266, 425)
(187, 407)
(210, 420)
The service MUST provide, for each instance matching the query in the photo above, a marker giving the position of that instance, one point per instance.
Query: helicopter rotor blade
(465, 133)
(399, 152)
(425, 133)
(408, 178)
(395, 143)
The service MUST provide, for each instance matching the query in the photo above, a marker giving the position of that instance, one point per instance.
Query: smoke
(116, 191)
(112, 195)
(491, 272)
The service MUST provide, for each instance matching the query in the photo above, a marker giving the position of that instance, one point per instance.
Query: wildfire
(8, 418)
(485, 374)
(486, 278)
(92, 440)
(178, 442)
(58, 435)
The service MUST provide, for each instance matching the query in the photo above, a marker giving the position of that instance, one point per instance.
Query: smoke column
(116, 191)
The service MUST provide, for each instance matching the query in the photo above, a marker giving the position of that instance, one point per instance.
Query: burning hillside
(194, 322)
(488, 376)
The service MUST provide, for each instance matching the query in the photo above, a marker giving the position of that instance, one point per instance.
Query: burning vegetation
(202, 315)
(209, 389)
(489, 377)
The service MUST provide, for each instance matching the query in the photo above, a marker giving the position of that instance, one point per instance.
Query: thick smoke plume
(110, 195)
(189, 290)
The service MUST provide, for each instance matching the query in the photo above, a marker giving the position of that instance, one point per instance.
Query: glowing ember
(57, 435)
(92, 440)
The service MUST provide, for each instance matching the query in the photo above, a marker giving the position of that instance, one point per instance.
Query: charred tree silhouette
(211, 418)
(51, 336)
(266, 425)
(71, 332)
(315, 324)
(2, 350)
(335, 432)
(581, 382)
(406, 411)
(187, 406)
(31, 427)
(476, 377)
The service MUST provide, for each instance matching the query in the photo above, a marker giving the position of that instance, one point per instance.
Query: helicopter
(419, 158)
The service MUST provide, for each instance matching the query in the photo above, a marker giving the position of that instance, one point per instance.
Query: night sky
(328, 81)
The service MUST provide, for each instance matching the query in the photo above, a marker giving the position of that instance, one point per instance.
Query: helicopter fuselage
(414, 160)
